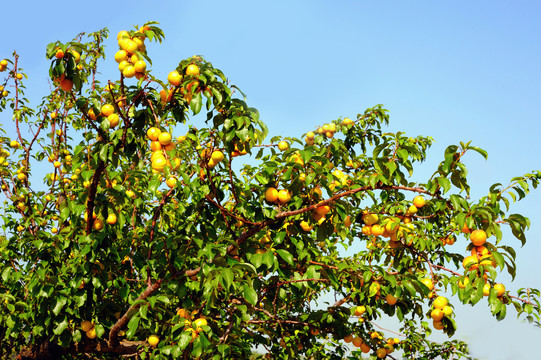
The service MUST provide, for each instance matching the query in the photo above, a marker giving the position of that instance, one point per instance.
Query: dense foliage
(217, 243)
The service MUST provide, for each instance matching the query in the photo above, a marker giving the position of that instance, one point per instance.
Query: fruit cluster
(89, 329)
(3, 65)
(190, 325)
(440, 309)
(131, 48)
(382, 348)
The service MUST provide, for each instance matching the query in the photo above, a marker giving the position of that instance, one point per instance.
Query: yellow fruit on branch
(140, 66)
(174, 78)
(111, 219)
(360, 310)
(98, 224)
(59, 53)
(153, 133)
(486, 289)
(370, 219)
(217, 156)
(192, 69)
(284, 196)
(438, 325)
(283, 145)
(357, 341)
(91, 334)
(128, 71)
(200, 322)
(428, 283)
(86, 325)
(447, 310)
(114, 119)
(377, 230)
(500, 289)
(271, 195)
(440, 302)
(436, 314)
(171, 182)
(165, 138)
(478, 237)
(305, 226)
(347, 122)
(391, 300)
(462, 283)
(153, 340)
(121, 55)
(323, 209)
(107, 109)
(470, 263)
(412, 210)
(381, 353)
(419, 201)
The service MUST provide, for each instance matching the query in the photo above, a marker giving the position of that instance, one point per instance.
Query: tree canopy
(122, 236)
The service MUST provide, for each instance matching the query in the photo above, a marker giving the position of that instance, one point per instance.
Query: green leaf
(284, 254)
(479, 150)
(59, 304)
(250, 295)
(228, 277)
(133, 325)
(63, 325)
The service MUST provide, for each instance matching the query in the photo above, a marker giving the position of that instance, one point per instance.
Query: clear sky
(456, 71)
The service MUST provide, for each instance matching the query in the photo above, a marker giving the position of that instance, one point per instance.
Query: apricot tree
(123, 236)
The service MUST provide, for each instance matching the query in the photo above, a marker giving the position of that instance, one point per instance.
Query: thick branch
(123, 321)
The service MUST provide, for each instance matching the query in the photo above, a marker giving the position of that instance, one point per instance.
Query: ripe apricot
(428, 283)
(129, 71)
(305, 226)
(114, 119)
(284, 196)
(478, 237)
(153, 340)
(500, 289)
(470, 263)
(174, 78)
(323, 209)
(165, 138)
(360, 310)
(86, 325)
(357, 341)
(419, 201)
(171, 182)
(391, 300)
(283, 145)
(438, 325)
(377, 230)
(153, 133)
(217, 156)
(66, 84)
(111, 219)
(486, 289)
(140, 66)
(159, 163)
(91, 334)
(107, 109)
(192, 69)
(439, 302)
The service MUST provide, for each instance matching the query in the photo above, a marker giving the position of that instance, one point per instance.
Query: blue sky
(456, 71)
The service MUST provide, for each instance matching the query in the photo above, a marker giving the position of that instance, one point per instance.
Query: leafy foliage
(220, 259)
